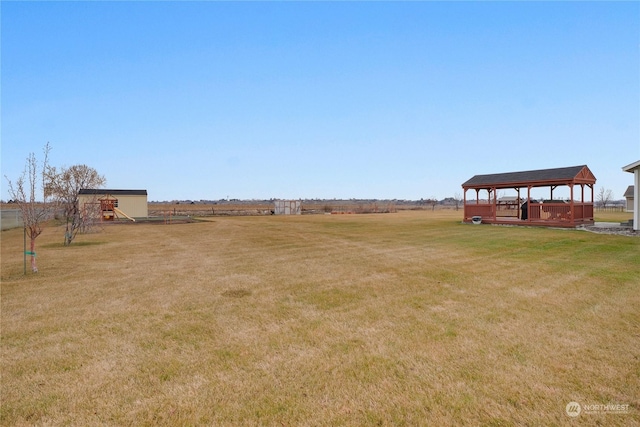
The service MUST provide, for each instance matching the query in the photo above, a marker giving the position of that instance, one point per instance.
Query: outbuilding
(628, 195)
(576, 210)
(287, 207)
(131, 203)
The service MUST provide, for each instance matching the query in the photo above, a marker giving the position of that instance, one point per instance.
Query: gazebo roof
(536, 178)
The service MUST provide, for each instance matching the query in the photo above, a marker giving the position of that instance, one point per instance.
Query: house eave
(632, 167)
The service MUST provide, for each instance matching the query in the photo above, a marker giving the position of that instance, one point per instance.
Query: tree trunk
(34, 267)
(67, 233)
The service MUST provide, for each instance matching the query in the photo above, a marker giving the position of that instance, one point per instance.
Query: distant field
(158, 209)
(248, 208)
(11, 219)
(409, 318)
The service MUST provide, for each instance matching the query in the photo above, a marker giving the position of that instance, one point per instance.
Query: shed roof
(629, 192)
(100, 191)
(537, 178)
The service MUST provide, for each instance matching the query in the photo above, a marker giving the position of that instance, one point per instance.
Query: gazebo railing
(484, 210)
(560, 212)
(583, 212)
(553, 211)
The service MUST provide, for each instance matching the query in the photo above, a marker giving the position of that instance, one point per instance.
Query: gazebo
(551, 212)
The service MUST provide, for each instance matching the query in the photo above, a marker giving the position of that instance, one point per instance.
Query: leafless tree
(457, 198)
(604, 197)
(34, 213)
(63, 186)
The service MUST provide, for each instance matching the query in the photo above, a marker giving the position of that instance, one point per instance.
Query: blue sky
(255, 100)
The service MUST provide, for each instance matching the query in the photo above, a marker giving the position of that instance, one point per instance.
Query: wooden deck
(568, 215)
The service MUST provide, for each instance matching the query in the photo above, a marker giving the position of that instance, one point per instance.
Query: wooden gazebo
(573, 212)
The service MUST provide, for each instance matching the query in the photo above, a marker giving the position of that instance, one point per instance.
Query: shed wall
(288, 207)
(135, 206)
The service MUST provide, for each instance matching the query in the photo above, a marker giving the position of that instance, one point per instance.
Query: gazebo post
(582, 201)
(528, 203)
(495, 203)
(464, 203)
(572, 206)
(593, 204)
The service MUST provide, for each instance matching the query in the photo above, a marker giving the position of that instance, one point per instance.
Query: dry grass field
(410, 318)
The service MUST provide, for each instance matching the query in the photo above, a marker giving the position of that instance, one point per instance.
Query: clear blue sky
(253, 100)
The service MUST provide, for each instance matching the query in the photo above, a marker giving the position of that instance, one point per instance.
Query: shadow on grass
(72, 245)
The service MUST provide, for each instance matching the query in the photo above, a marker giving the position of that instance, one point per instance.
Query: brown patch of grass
(402, 319)
(236, 293)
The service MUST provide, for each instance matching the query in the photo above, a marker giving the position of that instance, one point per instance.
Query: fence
(10, 218)
(610, 209)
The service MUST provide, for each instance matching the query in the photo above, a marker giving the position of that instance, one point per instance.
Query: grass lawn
(604, 216)
(409, 318)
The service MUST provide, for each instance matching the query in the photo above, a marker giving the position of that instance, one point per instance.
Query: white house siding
(634, 168)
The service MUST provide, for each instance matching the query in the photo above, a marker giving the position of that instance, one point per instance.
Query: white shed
(288, 207)
(628, 195)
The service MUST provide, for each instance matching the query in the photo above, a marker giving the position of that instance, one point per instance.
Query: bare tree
(23, 193)
(64, 186)
(457, 198)
(604, 197)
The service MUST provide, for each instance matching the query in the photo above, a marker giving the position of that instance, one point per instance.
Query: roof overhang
(632, 167)
(112, 192)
